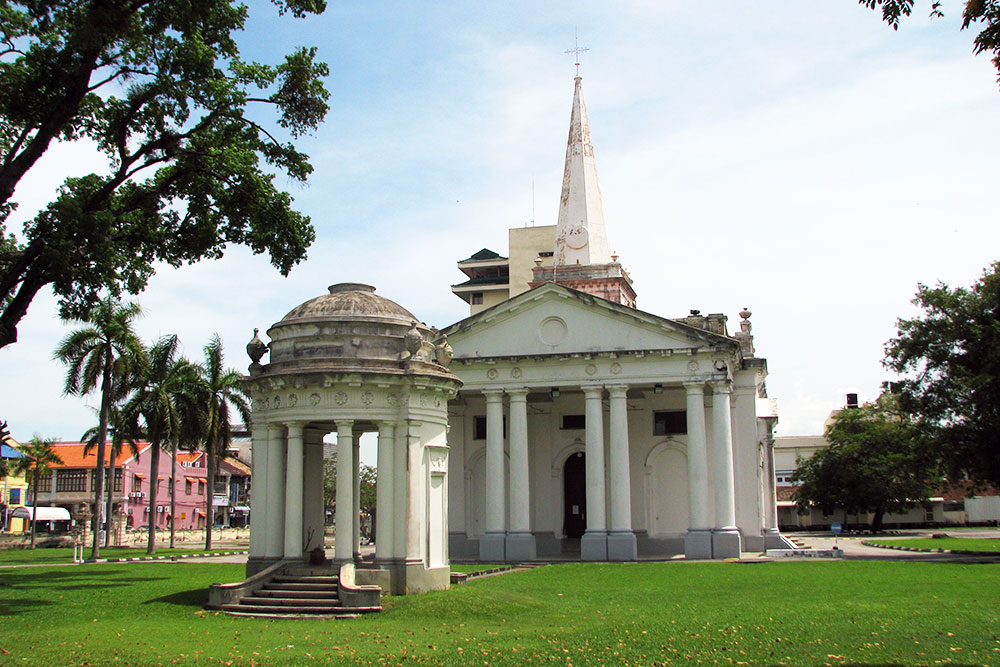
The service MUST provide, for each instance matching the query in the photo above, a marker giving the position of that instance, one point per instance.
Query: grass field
(65, 554)
(791, 613)
(951, 543)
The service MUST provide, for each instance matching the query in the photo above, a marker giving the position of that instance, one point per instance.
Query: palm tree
(160, 400)
(222, 388)
(36, 462)
(94, 354)
(123, 436)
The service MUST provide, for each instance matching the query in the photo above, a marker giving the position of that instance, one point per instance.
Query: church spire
(580, 234)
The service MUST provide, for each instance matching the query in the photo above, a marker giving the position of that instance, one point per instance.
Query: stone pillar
(344, 544)
(491, 545)
(698, 541)
(356, 477)
(313, 509)
(384, 493)
(275, 545)
(258, 493)
(726, 542)
(621, 539)
(293, 492)
(401, 492)
(520, 541)
(416, 499)
(772, 530)
(594, 544)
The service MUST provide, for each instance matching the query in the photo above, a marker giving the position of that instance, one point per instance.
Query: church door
(575, 496)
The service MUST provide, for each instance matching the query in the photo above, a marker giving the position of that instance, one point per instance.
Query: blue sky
(800, 159)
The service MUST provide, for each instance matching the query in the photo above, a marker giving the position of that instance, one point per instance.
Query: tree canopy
(877, 462)
(981, 13)
(161, 90)
(951, 356)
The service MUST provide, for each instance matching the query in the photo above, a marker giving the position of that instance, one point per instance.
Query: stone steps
(297, 593)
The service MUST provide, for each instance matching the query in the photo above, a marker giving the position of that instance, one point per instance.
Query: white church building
(556, 421)
(588, 428)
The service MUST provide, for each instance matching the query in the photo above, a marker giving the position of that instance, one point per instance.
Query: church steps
(297, 593)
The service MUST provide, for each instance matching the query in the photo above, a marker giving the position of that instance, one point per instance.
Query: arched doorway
(575, 496)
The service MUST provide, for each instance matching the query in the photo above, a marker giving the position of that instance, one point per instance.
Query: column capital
(345, 428)
(694, 387)
(517, 393)
(722, 387)
(617, 390)
(493, 395)
(386, 426)
(298, 425)
(592, 390)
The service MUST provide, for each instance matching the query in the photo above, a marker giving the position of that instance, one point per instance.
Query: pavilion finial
(577, 50)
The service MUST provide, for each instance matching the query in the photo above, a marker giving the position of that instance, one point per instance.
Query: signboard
(220, 500)
(835, 528)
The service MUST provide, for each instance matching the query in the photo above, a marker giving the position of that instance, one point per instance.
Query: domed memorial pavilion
(351, 362)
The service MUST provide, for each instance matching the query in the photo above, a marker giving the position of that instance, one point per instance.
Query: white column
(293, 492)
(384, 492)
(520, 544)
(698, 541)
(313, 510)
(491, 545)
(594, 544)
(356, 458)
(417, 497)
(726, 537)
(344, 544)
(258, 492)
(401, 493)
(275, 545)
(621, 539)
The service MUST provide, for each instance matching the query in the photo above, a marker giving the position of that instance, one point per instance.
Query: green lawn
(791, 613)
(952, 543)
(65, 554)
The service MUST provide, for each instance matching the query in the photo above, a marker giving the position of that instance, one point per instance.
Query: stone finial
(256, 348)
(443, 351)
(412, 341)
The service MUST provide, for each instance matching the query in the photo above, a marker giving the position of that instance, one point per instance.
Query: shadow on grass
(68, 579)
(196, 597)
(13, 607)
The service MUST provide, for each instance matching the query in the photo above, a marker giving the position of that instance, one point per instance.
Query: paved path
(855, 550)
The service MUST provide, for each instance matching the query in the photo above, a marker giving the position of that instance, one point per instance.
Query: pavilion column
(293, 492)
(698, 541)
(726, 542)
(275, 493)
(258, 499)
(384, 492)
(344, 544)
(594, 544)
(621, 539)
(416, 497)
(356, 477)
(491, 545)
(401, 492)
(520, 541)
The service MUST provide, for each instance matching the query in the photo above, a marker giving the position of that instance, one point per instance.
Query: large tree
(981, 13)
(96, 355)
(36, 463)
(878, 461)
(951, 357)
(219, 389)
(162, 92)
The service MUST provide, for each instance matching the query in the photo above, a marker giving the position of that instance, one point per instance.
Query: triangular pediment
(553, 319)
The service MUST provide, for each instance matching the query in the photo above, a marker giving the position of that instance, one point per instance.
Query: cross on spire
(577, 50)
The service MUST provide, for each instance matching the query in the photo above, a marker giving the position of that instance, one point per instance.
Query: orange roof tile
(72, 455)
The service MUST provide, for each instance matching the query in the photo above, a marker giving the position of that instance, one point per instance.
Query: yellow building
(13, 491)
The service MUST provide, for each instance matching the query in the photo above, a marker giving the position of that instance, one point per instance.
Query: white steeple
(580, 234)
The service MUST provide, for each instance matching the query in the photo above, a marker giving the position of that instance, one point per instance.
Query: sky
(799, 159)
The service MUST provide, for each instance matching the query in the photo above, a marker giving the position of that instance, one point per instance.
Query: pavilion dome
(350, 301)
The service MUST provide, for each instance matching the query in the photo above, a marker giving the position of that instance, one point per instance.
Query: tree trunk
(102, 435)
(877, 519)
(173, 489)
(111, 497)
(34, 508)
(154, 483)
(209, 495)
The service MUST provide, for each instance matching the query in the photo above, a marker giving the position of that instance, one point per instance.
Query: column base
(520, 546)
(257, 563)
(594, 545)
(491, 547)
(622, 546)
(698, 544)
(726, 543)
